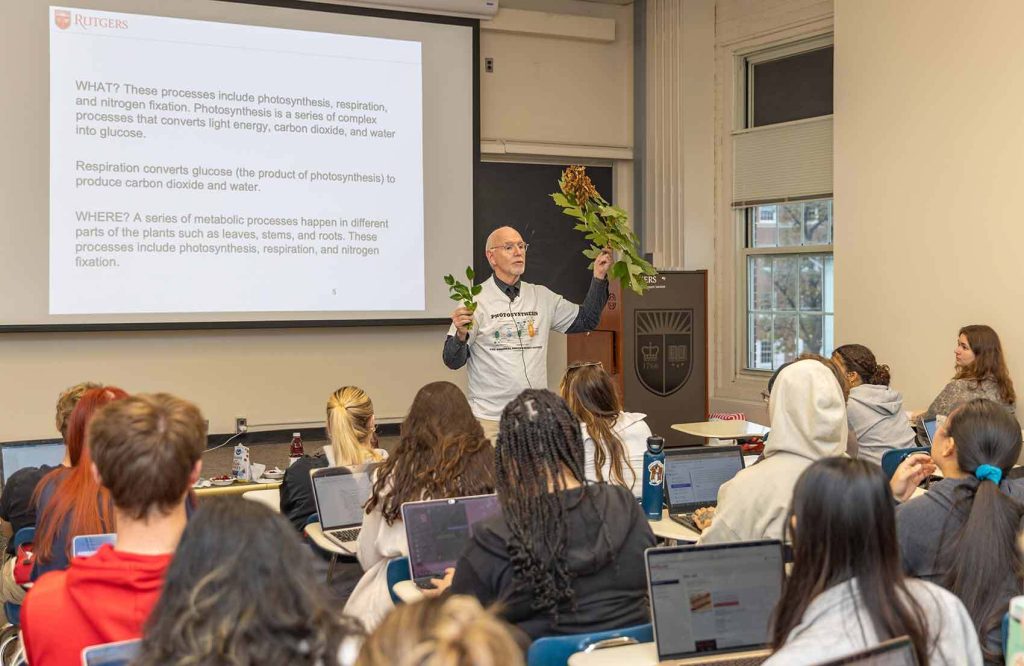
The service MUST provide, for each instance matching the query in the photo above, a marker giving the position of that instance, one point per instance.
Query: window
(787, 223)
(788, 261)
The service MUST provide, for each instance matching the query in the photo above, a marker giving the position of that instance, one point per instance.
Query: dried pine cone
(576, 182)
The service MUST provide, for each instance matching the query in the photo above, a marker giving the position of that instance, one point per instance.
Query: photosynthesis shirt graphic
(211, 167)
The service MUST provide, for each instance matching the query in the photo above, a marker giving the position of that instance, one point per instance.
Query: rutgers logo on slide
(62, 18)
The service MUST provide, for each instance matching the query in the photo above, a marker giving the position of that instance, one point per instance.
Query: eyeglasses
(509, 247)
(765, 395)
(576, 365)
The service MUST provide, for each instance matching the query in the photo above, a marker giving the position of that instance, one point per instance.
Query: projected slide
(210, 167)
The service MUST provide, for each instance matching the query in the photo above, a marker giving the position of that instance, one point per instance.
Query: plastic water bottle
(295, 450)
(653, 497)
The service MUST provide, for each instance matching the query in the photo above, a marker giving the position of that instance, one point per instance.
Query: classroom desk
(666, 528)
(236, 488)
(316, 535)
(642, 654)
(722, 429)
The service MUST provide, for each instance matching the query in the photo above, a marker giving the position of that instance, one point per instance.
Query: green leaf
(469, 273)
(455, 297)
(477, 289)
(449, 280)
(592, 252)
(561, 200)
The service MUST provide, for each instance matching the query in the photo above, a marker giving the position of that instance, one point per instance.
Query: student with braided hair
(874, 411)
(565, 556)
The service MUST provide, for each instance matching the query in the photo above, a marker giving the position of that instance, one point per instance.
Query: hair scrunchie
(989, 472)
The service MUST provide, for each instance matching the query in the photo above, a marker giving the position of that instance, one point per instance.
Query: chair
(23, 536)
(892, 459)
(397, 571)
(556, 650)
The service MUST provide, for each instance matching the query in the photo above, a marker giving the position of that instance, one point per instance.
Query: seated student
(846, 591)
(241, 591)
(447, 631)
(566, 556)
(69, 500)
(981, 372)
(874, 411)
(146, 452)
(807, 414)
(961, 533)
(17, 510)
(442, 453)
(614, 441)
(352, 433)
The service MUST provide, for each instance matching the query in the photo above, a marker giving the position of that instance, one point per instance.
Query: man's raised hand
(461, 319)
(603, 263)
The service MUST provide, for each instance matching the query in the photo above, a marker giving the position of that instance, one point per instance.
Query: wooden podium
(655, 348)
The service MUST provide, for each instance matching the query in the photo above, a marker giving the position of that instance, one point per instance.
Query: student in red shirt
(146, 451)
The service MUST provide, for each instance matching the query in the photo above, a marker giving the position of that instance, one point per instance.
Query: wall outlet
(241, 425)
(489, 65)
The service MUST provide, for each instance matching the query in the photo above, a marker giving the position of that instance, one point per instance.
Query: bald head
(506, 254)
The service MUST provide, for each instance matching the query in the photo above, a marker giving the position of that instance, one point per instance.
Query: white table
(666, 528)
(634, 655)
(316, 534)
(722, 429)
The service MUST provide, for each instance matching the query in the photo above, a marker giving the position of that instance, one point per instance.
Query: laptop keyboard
(686, 520)
(345, 535)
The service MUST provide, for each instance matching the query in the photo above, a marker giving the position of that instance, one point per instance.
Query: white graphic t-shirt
(508, 343)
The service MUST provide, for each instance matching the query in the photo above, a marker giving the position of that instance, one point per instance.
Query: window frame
(742, 117)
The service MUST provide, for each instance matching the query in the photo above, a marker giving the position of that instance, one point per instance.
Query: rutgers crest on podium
(665, 340)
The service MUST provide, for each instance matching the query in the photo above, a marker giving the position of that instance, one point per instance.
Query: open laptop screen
(340, 495)
(713, 598)
(693, 476)
(438, 530)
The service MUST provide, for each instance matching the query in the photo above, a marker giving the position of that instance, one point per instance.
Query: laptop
(438, 530)
(339, 494)
(112, 654)
(693, 476)
(713, 604)
(86, 545)
(893, 652)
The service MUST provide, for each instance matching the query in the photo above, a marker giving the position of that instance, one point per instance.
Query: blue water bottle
(654, 477)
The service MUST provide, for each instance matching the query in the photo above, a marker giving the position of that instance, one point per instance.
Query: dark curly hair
(240, 590)
(442, 453)
(539, 444)
(860, 359)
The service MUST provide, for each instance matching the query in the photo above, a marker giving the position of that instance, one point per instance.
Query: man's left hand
(603, 263)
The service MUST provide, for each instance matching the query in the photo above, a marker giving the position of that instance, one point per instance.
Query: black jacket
(608, 534)
(297, 503)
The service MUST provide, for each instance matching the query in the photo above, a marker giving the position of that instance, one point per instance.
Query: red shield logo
(62, 18)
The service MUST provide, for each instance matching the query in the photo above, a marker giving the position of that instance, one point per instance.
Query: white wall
(285, 375)
(928, 149)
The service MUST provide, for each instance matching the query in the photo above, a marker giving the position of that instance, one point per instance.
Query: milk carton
(240, 467)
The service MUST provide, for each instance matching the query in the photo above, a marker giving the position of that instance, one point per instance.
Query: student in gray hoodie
(874, 411)
(962, 532)
(846, 592)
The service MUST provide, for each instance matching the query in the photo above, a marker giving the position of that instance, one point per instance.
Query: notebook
(438, 530)
(713, 604)
(339, 493)
(693, 476)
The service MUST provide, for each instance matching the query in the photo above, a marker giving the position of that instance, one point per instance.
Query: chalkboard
(516, 195)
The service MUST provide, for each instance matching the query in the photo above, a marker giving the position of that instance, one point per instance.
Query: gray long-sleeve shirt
(456, 352)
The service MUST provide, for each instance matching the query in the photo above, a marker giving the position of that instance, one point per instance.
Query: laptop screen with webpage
(693, 476)
(707, 599)
(340, 493)
(438, 530)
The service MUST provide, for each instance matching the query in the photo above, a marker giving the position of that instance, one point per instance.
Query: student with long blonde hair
(444, 631)
(352, 436)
